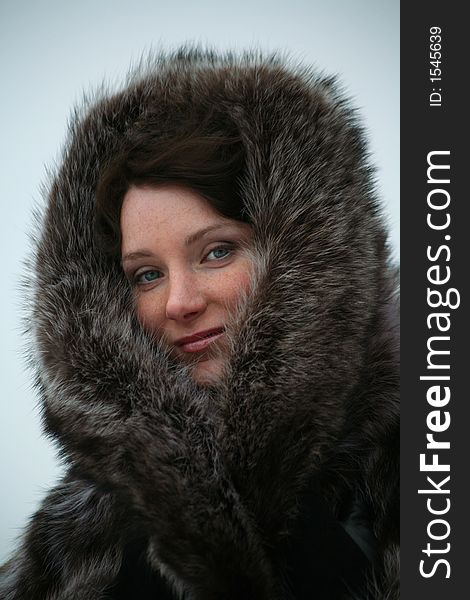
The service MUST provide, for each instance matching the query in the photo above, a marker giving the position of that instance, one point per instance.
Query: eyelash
(137, 279)
(229, 247)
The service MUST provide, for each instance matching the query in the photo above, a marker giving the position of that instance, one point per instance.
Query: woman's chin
(208, 372)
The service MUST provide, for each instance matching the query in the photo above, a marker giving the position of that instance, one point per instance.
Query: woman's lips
(199, 341)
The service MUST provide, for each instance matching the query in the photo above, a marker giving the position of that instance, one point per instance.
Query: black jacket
(282, 481)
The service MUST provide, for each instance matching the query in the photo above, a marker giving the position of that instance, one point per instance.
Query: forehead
(169, 213)
(165, 202)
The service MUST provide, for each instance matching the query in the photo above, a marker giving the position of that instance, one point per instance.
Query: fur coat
(281, 482)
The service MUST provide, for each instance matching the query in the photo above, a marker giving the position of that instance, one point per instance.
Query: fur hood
(224, 491)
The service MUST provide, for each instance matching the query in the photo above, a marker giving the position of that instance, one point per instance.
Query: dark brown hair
(205, 158)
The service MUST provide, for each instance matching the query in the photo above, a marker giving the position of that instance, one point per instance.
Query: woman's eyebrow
(135, 255)
(194, 237)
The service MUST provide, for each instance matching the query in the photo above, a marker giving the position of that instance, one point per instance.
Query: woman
(215, 336)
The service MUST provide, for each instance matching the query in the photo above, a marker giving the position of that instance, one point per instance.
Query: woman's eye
(147, 277)
(219, 253)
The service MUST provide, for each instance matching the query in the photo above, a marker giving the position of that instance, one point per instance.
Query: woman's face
(187, 268)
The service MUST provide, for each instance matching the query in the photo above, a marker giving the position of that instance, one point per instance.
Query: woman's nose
(186, 300)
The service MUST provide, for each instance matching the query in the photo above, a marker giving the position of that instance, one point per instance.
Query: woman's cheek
(149, 312)
(238, 282)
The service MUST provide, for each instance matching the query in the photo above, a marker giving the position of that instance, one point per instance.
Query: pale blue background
(52, 50)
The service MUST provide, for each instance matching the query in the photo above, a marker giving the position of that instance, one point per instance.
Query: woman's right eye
(146, 277)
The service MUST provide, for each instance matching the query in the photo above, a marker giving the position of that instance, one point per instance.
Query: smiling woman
(215, 345)
(186, 264)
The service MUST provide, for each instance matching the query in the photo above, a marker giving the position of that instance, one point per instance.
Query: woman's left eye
(219, 253)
